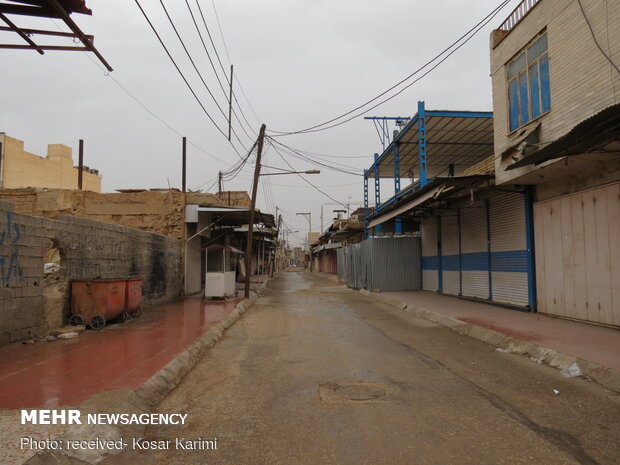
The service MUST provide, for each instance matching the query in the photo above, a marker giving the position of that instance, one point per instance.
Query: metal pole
(248, 247)
(81, 164)
(184, 164)
(230, 103)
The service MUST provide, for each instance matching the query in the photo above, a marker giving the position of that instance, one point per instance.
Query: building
(340, 233)
(556, 94)
(474, 236)
(20, 169)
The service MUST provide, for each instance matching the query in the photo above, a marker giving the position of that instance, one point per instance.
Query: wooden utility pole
(248, 246)
(230, 97)
(81, 164)
(184, 164)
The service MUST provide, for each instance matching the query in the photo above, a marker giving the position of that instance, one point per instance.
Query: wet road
(318, 374)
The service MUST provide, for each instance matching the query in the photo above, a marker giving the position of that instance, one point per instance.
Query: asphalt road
(317, 374)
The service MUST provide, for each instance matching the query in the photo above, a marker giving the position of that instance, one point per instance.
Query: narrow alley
(317, 373)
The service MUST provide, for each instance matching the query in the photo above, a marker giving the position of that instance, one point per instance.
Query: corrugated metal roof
(587, 136)
(461, 138)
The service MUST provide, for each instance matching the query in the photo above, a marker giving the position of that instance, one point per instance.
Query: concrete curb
(142, 400)
(165, 380)
(605, 376)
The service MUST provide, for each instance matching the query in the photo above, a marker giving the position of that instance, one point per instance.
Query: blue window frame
(529, 92)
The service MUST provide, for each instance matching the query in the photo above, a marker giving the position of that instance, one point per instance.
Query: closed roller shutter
(450, 259)
(474, 251)
(430, 261)
(509, 278)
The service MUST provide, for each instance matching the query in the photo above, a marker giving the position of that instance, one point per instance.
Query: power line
(293, 152)
(310, 183)
(181, 73)
(229, 61)
(464, 38)
(594, 37)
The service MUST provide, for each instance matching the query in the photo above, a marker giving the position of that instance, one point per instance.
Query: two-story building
(555, 67)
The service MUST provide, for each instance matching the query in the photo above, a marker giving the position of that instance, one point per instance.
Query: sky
(298, 63)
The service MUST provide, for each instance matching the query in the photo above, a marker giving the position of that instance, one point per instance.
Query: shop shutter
(450, 258)
(474, 250)
(430, 261)
(509, 273)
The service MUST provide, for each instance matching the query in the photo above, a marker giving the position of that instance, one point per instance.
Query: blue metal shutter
(474, 247)
(450, 259)
(430, 260)
(509, 277)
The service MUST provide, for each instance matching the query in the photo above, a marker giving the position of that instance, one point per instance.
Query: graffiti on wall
(10, 236)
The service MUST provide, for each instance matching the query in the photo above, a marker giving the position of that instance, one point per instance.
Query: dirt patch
(525, 335)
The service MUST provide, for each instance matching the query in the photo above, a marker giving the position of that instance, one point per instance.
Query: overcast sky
(300, 63)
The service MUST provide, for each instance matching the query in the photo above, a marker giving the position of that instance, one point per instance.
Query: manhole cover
(353, 392)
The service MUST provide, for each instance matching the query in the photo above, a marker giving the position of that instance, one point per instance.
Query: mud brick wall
(33, 302)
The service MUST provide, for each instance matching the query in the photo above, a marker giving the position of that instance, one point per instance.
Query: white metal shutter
(429, 254)
(509, 273)
(450, 259)
(474, 250)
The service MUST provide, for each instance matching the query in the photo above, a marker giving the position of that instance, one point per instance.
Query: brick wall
(582, 80)
(32, 302)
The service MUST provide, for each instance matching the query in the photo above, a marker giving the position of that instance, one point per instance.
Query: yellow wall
(23, 169)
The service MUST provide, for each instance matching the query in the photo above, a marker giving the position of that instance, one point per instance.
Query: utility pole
(219, 185)
(248, 246)
(184, 182)
(81, 164)
(230, 103)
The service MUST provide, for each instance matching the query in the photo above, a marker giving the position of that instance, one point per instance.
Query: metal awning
(589, 135)
(60, 9)
(437, 189)
(459, 138)
(223, 247)
(237, 216)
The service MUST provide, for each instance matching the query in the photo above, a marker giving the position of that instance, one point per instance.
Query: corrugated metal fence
(382, 263)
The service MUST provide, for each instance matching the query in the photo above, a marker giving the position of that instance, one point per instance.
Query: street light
(292, 172)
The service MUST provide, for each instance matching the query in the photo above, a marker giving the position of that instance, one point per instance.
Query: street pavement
(315, 373)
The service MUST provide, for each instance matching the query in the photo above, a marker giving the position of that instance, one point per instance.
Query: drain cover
(353, 392)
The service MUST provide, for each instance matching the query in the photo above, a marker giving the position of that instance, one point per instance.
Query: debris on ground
(572, 371)
(556, 392)
(65, 336)
(503, 351)
(67, 329)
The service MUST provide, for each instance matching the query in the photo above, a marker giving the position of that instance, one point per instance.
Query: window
(529, 95)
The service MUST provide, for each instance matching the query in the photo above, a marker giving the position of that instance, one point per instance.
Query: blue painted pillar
(529, 244)
(365, 204)
(422, 143)
(377, 188)
(399, 222)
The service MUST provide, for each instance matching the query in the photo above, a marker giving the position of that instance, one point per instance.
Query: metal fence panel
(382, 263)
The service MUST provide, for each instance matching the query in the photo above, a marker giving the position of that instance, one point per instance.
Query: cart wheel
(97, 322)
(137, 312)
(123, 317)
(76, 320)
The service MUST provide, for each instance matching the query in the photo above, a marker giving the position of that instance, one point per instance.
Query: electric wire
(191, 89)
(189, 56)
(217, 74)
(309, 182)
(345, 169)
(450, 50)
(229, 60)
(583, 12)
